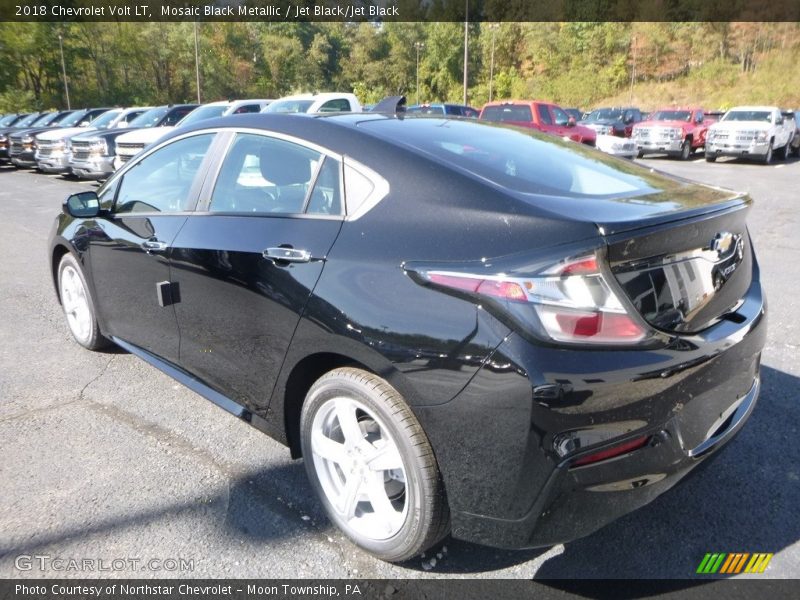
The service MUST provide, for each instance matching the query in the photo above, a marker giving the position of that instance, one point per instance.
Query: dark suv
(613, 121)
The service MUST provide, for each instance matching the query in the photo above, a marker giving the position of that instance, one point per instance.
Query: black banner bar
(400, 10)
(376, 589)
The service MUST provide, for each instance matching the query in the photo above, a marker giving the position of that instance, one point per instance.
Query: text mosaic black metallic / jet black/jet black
(461, 327)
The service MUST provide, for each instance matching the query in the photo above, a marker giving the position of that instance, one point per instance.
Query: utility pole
(197, 62)
(493, 27)
(466, 47)
(64, 70)
(419, 46)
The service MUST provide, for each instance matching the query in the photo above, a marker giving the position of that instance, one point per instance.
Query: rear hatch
(682, 255)
(685, 274)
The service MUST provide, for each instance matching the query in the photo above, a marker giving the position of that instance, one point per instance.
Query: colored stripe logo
(733, 563)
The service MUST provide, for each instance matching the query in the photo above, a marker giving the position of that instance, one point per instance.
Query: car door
(561, 121)
(247, 261)
(546, 119)
(129, 245)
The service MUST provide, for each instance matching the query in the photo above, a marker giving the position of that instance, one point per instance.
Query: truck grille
(16, 147)
(80, 154)
(655, 133)
(129, 148)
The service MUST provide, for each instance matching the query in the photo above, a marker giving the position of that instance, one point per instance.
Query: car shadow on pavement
(744, 499)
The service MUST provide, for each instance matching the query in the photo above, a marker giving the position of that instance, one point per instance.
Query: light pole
(197, 62)
(419, 46)
(64, 70)
(466, 47)
(633, 69)
(493, 27)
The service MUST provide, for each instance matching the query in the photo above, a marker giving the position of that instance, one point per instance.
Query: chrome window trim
(381, 186)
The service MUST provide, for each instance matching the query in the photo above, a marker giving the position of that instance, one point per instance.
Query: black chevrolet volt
(462, 328)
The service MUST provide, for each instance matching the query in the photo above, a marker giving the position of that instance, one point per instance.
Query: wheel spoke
(349, 497)
(326, 448)
(381, 505)
(346, 414)
(385, 458)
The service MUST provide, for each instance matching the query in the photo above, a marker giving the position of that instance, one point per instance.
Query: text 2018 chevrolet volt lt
(461, 327)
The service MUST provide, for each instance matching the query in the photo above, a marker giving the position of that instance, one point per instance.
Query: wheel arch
(57, 253)
(302, 376)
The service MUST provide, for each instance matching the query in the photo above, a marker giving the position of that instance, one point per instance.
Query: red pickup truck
(674, 131)
(544, 116)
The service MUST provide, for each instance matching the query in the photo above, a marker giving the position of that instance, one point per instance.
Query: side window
(264, 174)
(698, 116)
(562, 118)
(337, 105)
(326, 197)
(162, 181)
(544, 114)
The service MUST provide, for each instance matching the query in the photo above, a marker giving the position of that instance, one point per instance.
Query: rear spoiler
(391, 104)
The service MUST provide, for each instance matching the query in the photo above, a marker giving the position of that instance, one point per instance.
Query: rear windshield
(289, 106)
(150, 118)
(672, 115)
(517, 159)
(507, 112)
(748, 115)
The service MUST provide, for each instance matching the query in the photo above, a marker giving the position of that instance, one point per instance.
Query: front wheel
(768, 156)
(78, 305)
(372, 466)
(686, 149)
(785, 152)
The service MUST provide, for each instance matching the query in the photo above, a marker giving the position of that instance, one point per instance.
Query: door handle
(287, 255)
(153, 245)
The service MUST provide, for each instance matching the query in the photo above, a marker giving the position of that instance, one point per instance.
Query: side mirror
(83, 205)
(779, 121)
(571, 122)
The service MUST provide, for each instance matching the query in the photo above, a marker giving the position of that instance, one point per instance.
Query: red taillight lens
(623, 448)
(572, 299)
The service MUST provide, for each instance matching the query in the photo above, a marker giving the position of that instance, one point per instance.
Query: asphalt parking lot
(105, 458)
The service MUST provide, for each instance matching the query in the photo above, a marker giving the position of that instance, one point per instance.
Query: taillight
(572, 300)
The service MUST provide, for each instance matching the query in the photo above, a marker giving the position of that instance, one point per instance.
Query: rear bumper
(511, 478)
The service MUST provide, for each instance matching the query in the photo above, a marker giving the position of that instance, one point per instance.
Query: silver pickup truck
(754, 132)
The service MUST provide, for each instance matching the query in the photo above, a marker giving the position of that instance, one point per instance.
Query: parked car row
(93, 143)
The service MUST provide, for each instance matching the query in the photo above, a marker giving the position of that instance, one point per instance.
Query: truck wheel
(370, 463)
(768, 156)
(785, 152)
(711, 157)
(686, 149)
(640, 154)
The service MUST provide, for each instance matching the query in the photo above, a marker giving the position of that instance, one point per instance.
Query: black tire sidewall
(412, 532)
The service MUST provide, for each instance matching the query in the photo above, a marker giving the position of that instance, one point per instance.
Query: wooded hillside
(575, 64)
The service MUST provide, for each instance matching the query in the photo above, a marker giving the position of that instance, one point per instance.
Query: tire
(396, 509)
(78, 305)
(768, 156)
(640, 154)
(686, 149)
(784, 154)
(711, 157)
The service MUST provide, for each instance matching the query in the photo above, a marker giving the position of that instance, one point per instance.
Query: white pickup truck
(755, 132)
